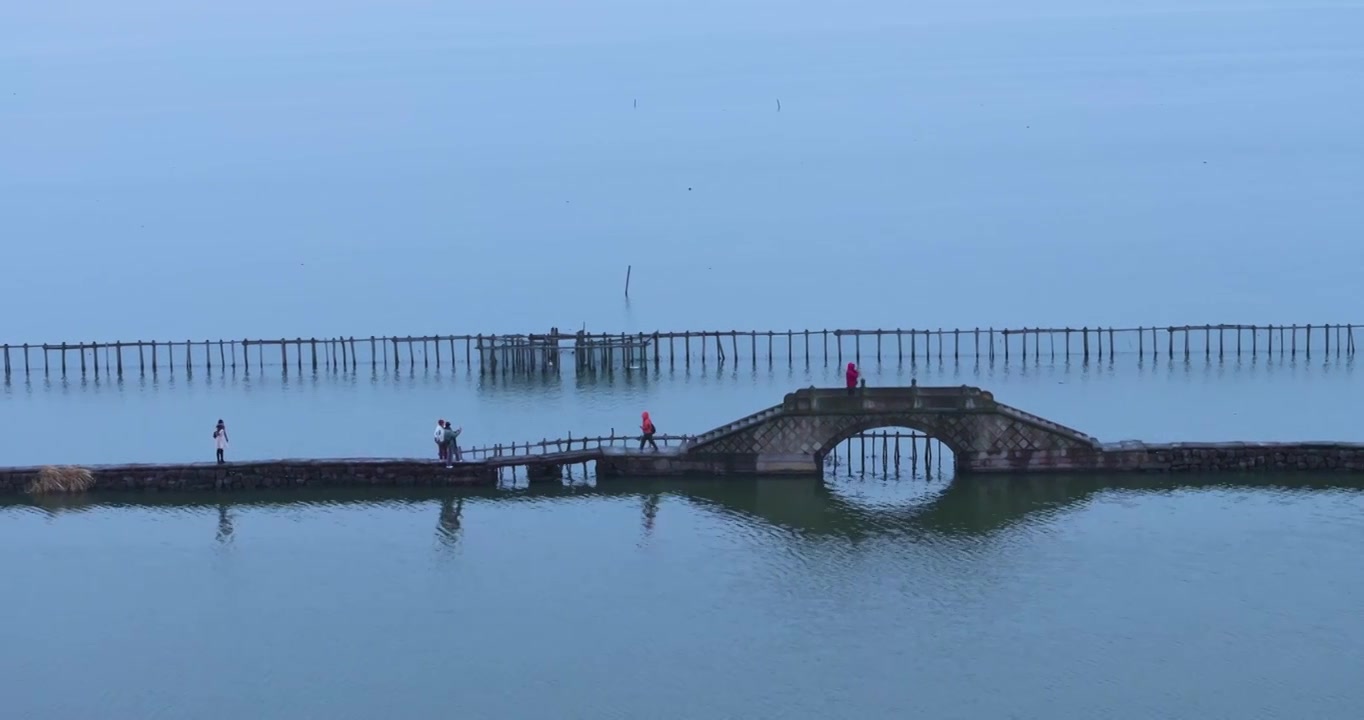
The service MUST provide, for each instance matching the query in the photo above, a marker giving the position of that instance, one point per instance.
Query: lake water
(390, 414)
(1052, 597)
(256, 169)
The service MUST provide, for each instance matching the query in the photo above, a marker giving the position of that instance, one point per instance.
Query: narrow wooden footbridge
(551, 458)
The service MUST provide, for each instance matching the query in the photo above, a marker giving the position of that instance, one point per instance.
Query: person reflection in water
(448, 525)
(851, 375)
(224, 524)
(647, 430)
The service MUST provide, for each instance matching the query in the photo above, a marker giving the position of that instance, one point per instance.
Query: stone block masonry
(1128, 457)
(1132, 456)
(267, 474)
(1229, 457)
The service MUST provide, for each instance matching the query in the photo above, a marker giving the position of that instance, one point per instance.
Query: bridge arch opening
(887, 451)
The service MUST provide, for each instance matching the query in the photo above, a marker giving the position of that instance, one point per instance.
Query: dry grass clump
(63, 479)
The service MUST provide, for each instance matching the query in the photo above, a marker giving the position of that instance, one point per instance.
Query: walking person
(442, 450)
(220, 439)
(851, 375)
(646, 427)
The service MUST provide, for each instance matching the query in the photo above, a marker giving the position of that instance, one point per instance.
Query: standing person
(852, 374)
(646, 426)
(220, 439)
(442, 450)
(452, 444)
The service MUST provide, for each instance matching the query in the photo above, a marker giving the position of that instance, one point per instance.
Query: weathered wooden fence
(529, 354)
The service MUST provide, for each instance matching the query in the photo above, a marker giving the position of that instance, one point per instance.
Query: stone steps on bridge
(1055, 427)
(1024, 426)
(739, 425)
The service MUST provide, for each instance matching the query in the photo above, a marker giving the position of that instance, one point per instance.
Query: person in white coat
(442, 448)
(220, 440)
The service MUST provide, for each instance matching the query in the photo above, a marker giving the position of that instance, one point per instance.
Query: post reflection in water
(849, 572)
(836, 507)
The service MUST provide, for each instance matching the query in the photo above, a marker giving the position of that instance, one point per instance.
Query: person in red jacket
(852, 376)
(647, 430)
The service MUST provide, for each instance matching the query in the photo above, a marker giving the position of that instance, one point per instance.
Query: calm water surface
(258, 169)
(1053, 597)
(386, 414)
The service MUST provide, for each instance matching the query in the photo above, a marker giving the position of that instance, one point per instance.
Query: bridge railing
(930, 397)
(570, 444)
(1025, 415)
(563, 446)
(742, 423)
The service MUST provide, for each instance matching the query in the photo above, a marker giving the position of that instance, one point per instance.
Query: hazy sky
(172, 169)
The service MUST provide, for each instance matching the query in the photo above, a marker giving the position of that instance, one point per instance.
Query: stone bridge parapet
(983, 434)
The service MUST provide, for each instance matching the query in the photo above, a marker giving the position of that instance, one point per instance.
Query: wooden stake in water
(628, 268)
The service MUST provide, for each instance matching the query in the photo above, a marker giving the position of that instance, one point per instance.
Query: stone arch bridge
(984, 435)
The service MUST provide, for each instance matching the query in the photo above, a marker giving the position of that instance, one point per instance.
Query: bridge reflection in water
(969, 506)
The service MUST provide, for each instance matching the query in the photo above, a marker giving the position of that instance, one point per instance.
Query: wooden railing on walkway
(529, 452)
(893, 446)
